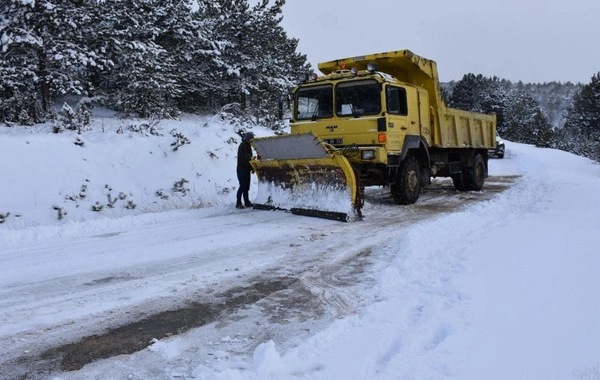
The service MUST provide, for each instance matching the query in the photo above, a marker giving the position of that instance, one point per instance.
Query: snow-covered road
(59, 290)
(494, 284)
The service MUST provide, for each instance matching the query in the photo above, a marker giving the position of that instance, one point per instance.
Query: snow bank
(54, 182)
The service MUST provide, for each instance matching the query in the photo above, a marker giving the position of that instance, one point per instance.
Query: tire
(407, 188)
(474, 177)
(459, 182)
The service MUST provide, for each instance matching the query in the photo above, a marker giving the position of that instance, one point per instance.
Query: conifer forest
(159, 58)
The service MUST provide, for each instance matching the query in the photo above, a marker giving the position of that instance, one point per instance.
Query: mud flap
(301, 174)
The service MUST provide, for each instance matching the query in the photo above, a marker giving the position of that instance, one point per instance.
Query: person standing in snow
(243, 170)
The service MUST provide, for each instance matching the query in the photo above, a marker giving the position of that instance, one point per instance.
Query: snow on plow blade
(299, 173)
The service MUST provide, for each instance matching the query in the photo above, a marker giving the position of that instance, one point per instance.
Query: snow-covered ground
(497, 284)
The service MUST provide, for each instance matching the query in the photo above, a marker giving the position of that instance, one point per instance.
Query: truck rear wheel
(475, 176)
(407, 188)
(459, 182)
(471, 178)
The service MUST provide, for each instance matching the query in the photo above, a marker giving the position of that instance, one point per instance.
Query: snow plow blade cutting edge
(301, 174)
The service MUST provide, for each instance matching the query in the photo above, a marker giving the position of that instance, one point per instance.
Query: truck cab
(367, 114)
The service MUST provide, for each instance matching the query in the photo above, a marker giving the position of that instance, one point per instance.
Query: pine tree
(178, 33)
(276, 73)
(544, 132)
(146, 57)
(585, 113)
(525, 121)
(554, 98)
(519, 116)
(44, 54)
(582, 127)
(257, 61)
(477, 93)
(467, 93)
(144, 79)
(202, 75)
(229, 20)
(18, 69)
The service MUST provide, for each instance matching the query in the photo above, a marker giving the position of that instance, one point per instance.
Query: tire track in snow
(323, 268)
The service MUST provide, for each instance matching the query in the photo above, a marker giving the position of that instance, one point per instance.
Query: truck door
(398, 117)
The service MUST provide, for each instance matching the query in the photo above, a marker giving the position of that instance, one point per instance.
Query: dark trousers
(244, 178)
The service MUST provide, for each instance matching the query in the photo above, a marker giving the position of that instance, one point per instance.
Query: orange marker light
(382, 137)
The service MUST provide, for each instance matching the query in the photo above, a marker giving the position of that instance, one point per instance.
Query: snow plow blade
(301, 174)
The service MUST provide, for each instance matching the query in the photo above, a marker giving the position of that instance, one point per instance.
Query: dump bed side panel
(462, 129)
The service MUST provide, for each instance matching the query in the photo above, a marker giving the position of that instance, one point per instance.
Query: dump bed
(450, 128)
(462, 129)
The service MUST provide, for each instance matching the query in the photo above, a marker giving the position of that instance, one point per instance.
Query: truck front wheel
(407, 188)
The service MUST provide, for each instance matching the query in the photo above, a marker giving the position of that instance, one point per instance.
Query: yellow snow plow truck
(373, 120)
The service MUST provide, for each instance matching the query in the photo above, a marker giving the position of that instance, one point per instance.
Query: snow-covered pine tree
(278, 65)
(178, 37)
(144, 79)
(229, 20)
(554, 99)
(73, 120)
(524, 121)
(477, 93)
(467, 93)
(18, 65)
(257, 61)
(543, 130)
(201, 73)
(582, 127)
(519, 116)
(43, 53)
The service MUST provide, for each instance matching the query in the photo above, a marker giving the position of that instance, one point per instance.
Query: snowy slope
(45, 171)
(498, 284)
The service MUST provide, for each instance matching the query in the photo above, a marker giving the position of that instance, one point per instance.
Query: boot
(248, 204)
(239, 205)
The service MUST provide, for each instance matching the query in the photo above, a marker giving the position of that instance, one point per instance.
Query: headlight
(367, 154)
(302, 77)
(372, 67)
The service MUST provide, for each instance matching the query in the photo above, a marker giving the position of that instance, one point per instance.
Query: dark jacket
(244, 156)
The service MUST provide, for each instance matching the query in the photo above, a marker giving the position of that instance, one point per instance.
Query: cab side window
(396, 101)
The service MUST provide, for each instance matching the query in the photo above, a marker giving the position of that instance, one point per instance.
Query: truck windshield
(314, 102)
(358, 98)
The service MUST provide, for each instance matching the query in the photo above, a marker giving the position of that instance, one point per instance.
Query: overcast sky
(528, 40)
